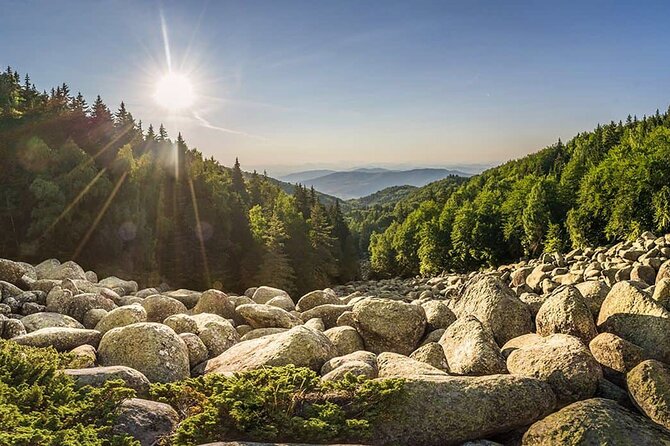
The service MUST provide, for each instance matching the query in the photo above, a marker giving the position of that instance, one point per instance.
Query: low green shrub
(276, 404)
(40, 406)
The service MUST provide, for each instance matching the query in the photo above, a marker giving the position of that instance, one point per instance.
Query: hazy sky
(356, 82)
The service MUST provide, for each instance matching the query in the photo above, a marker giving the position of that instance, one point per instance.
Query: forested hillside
(80, 182)
(611, 183)
(378, 211)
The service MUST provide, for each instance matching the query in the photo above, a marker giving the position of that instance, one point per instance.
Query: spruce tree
(237, 180)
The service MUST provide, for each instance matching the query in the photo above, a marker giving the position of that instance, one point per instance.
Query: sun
(174, 91)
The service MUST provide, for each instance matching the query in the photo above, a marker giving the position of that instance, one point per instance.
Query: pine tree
(151, 134)
(100, 114)
(535, 219)
(238, 184)
(275, 268)
(123, 118)
(322, 241)
(162, 133)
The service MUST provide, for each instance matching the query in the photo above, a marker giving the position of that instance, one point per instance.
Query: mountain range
(366, 181)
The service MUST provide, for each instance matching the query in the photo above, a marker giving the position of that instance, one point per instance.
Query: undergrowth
(276, 404)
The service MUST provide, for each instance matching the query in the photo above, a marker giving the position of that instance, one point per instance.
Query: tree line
(81, 182)
(608, 184)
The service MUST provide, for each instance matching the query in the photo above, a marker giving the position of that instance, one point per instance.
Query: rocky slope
(565, 349)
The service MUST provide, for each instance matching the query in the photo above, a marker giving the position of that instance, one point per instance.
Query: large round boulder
(328, 313)
(470, 349)
(388, 325)
(61, 338)
(649, 386)
(300, 346)
(217, 333)
(266, 316)
(121, 316)
(189, 298)
(160, 307)
(566, 312)
(12, 272)
(263, 294)
(345, 339)
(432, 354)
(148, 422)
(446, 410)
(633, 315)
(316, 298)
(496, 306)
(561, 360)
(394, 365)
(596, 421)
(215, 302)
(594, 293)
(97, 376)
(153, 349)
(37, 321)
(438, 315)
(616, 355)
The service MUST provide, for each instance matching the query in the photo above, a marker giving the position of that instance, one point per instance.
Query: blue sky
(344, 83)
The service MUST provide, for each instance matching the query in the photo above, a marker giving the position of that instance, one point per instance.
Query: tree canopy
(83, 183)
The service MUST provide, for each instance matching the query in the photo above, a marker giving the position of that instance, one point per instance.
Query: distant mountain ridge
(366, 181)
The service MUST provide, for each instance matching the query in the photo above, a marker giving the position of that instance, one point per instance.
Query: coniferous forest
(609, 184)
(79, 181)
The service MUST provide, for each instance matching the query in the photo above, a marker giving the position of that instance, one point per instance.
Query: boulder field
(565, 349)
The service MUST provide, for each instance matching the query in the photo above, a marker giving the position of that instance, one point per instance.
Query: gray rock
(182, 323)
(328, 313)
(360, 356)
(561, 360)
(438, 315)
(432, 354)
(317, 298)
(300, 346)
(264, 293)
(153, 349)
(345, 339)
(649, 386)
(594, 293)
(160, 307)
(470, 349)
(596, 421)
(266, 316)
(147, 421)
(355, 368)
(496, 306)
(634, 316)
(60, 338)
(283, 302)
(394, 365)
(122, 316)
(97, 376)
(197, 351)
(445, 410)
(92, 317)
(260, 332)
(189, 298)
(38, 321)
(566, 312)
(387, 325)
(215, 302)
(616, 355)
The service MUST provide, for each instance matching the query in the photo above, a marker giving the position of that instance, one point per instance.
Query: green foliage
(611, 183)
(554, 242)
(85, 184)
(276, 404)
(40, 406)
